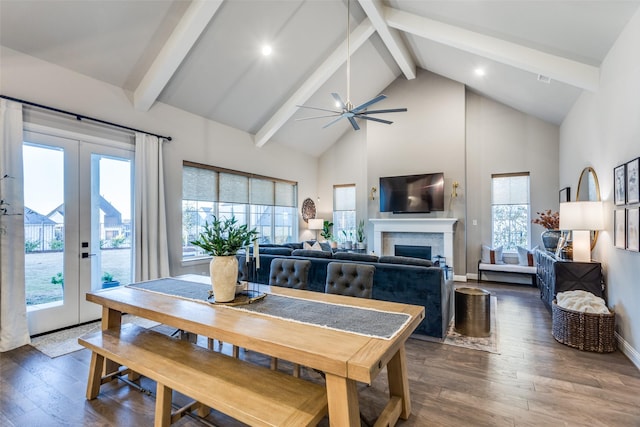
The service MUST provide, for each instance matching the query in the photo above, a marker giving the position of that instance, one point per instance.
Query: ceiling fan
(347, 110)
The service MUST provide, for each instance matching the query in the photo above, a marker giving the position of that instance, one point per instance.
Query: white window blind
(262, 192)
(344, 198)
(199, 184)
(233, 188)
(510, 190)
(285, 194)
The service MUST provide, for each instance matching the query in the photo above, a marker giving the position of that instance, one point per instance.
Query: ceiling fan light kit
(347, 110)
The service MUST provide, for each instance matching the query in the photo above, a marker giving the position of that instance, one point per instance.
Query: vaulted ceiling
(204, 56)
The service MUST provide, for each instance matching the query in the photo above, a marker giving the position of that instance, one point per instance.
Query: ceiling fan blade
(354, 123)
(334, 121)
(338, 100)
(317, 117)
(366, 104)
(389, 110)
(319, 109)
(375, 119)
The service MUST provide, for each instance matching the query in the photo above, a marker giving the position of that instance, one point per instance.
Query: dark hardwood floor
(534, 381)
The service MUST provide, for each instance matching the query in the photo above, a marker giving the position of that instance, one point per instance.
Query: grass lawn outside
(41, 267)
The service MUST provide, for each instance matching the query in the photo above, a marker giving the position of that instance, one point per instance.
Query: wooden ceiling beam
(562, 69)
(184, 36)
(323, 73)
(390, 36)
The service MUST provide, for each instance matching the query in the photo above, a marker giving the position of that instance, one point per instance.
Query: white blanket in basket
(582, 301)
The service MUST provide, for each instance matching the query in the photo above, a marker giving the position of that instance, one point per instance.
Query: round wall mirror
(589, 190)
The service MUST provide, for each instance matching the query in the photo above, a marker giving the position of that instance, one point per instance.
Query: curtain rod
(82, 117)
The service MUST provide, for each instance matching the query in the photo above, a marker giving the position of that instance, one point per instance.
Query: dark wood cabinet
(557, 275)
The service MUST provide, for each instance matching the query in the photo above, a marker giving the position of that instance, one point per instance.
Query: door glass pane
(43, 224)
(111, 232)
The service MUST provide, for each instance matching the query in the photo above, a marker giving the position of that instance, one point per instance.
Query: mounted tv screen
(412, 193)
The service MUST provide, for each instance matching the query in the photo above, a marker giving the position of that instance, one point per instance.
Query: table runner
(346, 318)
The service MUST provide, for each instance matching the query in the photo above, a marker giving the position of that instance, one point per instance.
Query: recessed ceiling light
(544, 79)
(479, 72)
(266, 50)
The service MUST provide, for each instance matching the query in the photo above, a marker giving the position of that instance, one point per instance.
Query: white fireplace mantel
(443, 226)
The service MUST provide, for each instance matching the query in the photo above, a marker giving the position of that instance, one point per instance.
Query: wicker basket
(584, 331)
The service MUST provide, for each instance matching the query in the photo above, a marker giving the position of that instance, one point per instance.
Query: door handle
(87, 254)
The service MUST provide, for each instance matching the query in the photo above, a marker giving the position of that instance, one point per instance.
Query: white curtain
(151, 249)
(14, 330)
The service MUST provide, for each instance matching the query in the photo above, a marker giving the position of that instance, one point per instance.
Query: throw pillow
(525, 256)
(491, 255)
(315, 247)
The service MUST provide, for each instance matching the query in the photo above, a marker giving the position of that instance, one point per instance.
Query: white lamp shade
(581, 216)
(316, 224)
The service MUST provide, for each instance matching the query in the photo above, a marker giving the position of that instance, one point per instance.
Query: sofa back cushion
(276, 250)
(311, 253)
(405, 260)
(351, 256)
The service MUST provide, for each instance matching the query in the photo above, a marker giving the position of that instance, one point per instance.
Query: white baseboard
(628, 351)
(472, 276)
(459, 278)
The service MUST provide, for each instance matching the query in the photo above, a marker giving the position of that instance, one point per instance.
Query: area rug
(488, 344)
(63, 342)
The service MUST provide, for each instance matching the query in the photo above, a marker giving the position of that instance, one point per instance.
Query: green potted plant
(58, 279)
(222, 239)
(361, 235)
(327, 234)
(107, 280)
(348, 239)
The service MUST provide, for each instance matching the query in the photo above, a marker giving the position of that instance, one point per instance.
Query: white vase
(224, 275)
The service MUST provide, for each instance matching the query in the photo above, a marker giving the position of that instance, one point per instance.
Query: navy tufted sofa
(393, 280)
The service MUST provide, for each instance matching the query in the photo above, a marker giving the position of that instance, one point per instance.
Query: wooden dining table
(345, 357)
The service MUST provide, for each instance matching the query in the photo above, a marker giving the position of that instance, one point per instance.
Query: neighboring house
(40, 230)
(110, 220)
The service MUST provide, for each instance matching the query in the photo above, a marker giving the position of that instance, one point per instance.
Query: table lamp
(316, 224)
(581, 218)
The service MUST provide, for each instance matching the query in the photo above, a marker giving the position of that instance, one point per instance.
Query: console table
(555, 275)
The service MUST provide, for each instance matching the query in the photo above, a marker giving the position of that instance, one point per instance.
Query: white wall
(447, 129)
(603, 131)
(429, 137)
(503, 140)
(194, 138)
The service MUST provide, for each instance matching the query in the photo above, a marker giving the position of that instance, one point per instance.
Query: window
(510, 212)
(266, 204)
(344, 212)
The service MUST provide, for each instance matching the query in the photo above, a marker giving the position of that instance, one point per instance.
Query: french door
(78, 226)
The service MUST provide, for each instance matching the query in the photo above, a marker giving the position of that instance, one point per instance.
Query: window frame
(527, 220)
(337, 229)
(221, 208)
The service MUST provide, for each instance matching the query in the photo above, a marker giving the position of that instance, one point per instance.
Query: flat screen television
(412, 193)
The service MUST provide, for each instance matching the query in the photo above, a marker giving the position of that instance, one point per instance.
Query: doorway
(78, 226)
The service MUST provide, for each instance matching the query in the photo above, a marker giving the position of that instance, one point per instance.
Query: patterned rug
(62, 342)
(488, 344)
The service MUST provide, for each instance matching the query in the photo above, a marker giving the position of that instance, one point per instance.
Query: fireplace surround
(435, 232)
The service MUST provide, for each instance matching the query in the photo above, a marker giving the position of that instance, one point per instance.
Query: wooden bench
(508, 268)
(249, 393)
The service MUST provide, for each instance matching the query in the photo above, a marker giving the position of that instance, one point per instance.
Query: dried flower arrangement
(549, 220)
